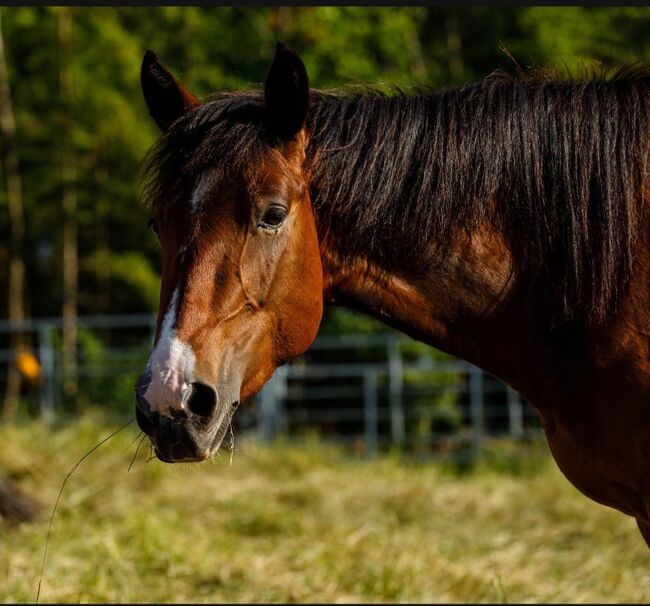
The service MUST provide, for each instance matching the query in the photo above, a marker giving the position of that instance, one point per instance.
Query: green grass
(308, 523)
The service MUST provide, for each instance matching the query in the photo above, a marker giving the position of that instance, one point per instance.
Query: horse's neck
(471, 306)
(464, 305)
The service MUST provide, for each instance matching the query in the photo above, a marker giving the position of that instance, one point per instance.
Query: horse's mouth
(184, 459)
(184, 440)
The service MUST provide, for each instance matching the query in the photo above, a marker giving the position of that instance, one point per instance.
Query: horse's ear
(286, 93)
(166, 98)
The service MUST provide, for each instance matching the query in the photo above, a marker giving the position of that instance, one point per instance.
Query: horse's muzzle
(192, 433)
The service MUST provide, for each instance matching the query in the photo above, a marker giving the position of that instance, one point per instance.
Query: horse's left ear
(166, 98)
(286, 93)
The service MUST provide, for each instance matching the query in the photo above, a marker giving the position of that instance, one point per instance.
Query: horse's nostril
(202, 400)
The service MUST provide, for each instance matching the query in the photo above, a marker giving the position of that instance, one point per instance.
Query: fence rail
(374, 398)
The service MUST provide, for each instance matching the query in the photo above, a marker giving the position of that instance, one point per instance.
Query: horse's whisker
(232, 441)
(58, 498)
(137, 450)
(132, 441)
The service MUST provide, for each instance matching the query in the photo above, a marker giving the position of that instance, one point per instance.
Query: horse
(504, 222)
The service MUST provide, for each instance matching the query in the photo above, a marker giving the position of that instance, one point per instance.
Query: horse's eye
(153, 226)
(273, 217)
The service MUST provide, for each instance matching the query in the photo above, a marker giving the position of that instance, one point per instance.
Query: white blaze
(170, 361)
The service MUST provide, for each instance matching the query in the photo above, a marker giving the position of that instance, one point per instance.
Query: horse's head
(241, 289)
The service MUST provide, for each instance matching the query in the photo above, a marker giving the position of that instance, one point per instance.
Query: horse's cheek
(298, 308)
(307, 297)
(300, 328)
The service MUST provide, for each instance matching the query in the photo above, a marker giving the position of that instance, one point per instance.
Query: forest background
(74, 129)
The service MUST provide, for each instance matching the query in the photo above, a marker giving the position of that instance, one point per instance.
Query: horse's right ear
(286, 92)
(166, 98)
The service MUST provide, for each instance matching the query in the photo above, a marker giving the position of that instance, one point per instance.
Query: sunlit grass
(308, 523)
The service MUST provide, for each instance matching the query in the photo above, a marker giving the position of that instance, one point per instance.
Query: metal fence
(369, 391)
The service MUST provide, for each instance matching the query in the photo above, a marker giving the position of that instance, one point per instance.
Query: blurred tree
(82, 129)
(575, 37)
(69, 203)
(14, 196)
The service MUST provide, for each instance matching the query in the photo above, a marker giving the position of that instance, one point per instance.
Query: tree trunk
(69, 205)
(16, 285)
(418, 65)
(454, 44)
(282, 18)
(103, 254)
(14, 507)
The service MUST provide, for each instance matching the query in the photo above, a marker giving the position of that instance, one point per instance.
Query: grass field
(308, 523)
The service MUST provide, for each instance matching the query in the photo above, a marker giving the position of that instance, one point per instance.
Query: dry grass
(309, 523)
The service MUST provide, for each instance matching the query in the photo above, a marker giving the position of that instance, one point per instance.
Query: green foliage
(577, 36)
(213, 48)
(135, 272)
(105, 123)
(108, 379)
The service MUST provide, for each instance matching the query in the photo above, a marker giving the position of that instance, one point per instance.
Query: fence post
(370, 412)
(46, 357)
(395, 387)
(267, 412)
(476, 407)
(281, 388)
(515, 414)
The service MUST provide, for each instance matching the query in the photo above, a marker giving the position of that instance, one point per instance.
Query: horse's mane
(557, 165)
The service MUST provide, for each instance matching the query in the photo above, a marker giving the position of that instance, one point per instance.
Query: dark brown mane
(557, 166)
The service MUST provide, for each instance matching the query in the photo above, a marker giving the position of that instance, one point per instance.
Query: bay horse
(504, 222)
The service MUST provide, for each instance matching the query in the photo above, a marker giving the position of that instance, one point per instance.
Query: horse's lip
(204, 454)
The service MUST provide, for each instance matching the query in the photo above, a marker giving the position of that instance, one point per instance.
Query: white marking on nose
(170, 362)
(200, 191)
